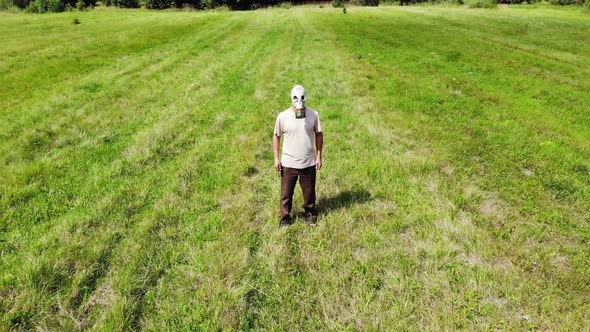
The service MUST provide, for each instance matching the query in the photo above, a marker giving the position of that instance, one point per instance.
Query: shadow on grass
(342, 200)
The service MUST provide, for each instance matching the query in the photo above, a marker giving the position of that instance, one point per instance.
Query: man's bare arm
(319, 144)
(276, 144)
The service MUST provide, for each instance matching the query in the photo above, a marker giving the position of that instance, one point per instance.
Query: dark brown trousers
(289, 178)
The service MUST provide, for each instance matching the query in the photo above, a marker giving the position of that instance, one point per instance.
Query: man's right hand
(278, 165)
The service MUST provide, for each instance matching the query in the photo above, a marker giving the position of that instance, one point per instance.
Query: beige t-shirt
(298, 137)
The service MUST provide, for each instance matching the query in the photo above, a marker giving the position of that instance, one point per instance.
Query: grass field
(137, 188)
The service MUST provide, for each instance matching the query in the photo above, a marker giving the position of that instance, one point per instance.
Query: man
(301, 130)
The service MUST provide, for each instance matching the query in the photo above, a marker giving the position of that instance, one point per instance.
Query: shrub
(187, 4)
(516, 2)
(127, 3)
(22, 4)
(44, 6)
(371, 3)
(566, 2)
(338, 3)
(481, 3)
(55, 6)
(233, 4)
(157, 4)
(208, 4)
(37, 6)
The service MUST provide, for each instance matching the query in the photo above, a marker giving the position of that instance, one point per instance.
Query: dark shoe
(285, 223)
(311, 220)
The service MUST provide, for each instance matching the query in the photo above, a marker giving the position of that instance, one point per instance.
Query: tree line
(43, 6)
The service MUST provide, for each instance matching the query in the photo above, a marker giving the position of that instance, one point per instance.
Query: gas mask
(298, 100)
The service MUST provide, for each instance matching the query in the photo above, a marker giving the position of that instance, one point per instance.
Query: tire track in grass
(257, 294)
(56, 229)
(247, 208)
(260, 291)
(369, 255)
(522, 33)
(461, 241)
(215, 266)
(239, 217)
(470, 55)
(57, 62)
(539, 120)
(102, 101)
(68, 154)
(150, 57)
(277, 261)
(141, 291)
(231, 76)
(345, 261)
(467, 62)
(281, 287)
(75, 156)
(574, 132)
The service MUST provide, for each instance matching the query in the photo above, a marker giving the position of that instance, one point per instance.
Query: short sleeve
(278, 127)
(317, 127)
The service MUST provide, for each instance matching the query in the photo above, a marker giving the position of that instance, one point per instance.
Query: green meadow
(137, 188)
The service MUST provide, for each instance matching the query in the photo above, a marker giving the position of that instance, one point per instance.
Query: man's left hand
(318, 163)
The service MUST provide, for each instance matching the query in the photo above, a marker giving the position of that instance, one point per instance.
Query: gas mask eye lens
(303, 97)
